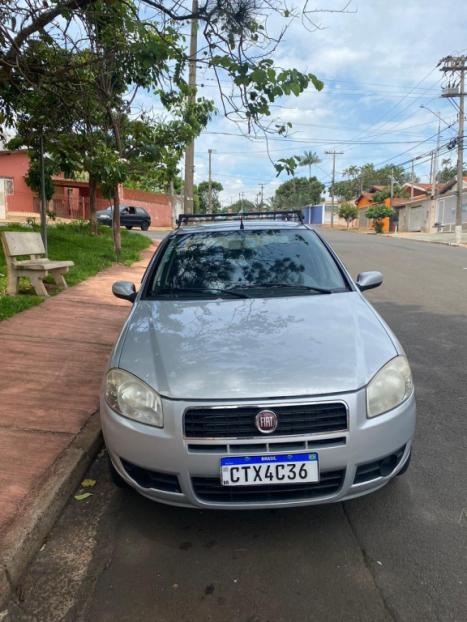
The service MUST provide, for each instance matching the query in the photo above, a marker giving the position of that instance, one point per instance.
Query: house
(71, 196)
(428, 213)
(363, 202)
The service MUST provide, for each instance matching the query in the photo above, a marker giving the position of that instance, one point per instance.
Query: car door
(143, 217)
(128, 217)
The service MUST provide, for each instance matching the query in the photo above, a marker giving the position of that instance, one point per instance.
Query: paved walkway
(52, 359)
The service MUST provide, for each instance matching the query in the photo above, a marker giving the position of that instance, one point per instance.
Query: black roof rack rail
(287, 215)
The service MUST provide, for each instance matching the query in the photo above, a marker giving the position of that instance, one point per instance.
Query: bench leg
(38, 284)
(59, 279)
(12, 284)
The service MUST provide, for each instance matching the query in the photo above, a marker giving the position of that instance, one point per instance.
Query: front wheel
(128, 226)
(145, 226)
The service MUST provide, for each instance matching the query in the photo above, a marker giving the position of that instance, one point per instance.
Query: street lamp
(436, 115)
(434, 170)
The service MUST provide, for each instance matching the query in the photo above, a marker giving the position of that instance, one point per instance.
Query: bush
(377, 213)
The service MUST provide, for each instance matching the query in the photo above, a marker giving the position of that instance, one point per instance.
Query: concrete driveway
(399, 554)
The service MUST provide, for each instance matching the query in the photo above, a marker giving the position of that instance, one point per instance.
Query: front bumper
(166, 451)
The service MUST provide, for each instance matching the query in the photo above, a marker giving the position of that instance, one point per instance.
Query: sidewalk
(435, 238)
(53, 358)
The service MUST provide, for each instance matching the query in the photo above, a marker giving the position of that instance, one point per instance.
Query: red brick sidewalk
(52, 360)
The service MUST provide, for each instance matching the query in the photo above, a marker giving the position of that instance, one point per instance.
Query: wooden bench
(18, 244)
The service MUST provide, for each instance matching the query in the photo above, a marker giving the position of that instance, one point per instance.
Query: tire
(406, 465)
(115, 476)
(129, 226)
(144, 226)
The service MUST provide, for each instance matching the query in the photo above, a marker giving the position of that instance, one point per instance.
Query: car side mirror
(125, 290)
(369, 280)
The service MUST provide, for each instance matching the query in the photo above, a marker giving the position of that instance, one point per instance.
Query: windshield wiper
(200, 290)
(320, 290)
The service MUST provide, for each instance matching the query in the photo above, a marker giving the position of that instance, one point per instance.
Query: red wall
(15, 165)
(158, 205)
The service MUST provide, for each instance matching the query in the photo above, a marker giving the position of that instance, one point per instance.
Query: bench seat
(36, 268)
(40, 264)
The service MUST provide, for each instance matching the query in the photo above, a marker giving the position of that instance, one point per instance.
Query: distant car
(129, 217)
(253, 373)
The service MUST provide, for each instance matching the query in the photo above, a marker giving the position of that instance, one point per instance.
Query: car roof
(233, 225)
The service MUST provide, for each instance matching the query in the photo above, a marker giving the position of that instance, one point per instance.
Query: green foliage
(242, 205)
(378, 213)
(72, 75)
(448, 171)
(348, 211)
(308, 159)
(298, 192)
(203, 194)
(264, 82)
(362, 178)
(33, 177)
(71, 241)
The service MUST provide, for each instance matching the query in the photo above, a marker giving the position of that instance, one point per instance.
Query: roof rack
(287, 215)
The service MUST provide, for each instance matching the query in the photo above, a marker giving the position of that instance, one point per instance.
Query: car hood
(103, 212)
(255, 348)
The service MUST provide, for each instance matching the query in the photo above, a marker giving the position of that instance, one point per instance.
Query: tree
(362, 178)
(203, 194)
(123, 47)
(378, 213)
(298, 192)
(348, 211)
(447, 172)
(238, 46)
(308, 159)
(242, 205)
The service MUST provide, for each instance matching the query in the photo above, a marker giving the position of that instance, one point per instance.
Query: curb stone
(27, 535)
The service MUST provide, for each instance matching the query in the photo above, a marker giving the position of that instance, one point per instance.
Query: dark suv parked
(129, 217)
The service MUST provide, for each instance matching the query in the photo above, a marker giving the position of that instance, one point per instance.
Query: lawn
(71, 241)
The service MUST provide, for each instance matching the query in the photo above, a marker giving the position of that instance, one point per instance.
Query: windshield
(267, 262)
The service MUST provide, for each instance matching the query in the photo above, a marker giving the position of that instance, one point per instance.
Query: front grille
(211, 489)
(378, 468)
(168, 482)
(240, 422)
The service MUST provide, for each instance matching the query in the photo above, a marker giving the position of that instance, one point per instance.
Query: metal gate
(415, 218)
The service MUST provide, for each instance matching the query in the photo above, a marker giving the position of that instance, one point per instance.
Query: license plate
(276, 469)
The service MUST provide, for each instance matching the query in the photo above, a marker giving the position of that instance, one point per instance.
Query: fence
(70, 207)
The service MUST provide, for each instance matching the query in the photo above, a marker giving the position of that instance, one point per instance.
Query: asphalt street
(398, 554)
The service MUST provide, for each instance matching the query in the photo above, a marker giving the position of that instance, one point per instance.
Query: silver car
(252, 373)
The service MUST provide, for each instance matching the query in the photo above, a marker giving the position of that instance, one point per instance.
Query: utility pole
(190, 148)
(262, 195)
(333, 153)
(43, 201)
(392, 190)
(456, 66)
(412, 177)
(210, 183)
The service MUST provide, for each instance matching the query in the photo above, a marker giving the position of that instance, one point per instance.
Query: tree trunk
(92, 204)
(116, 223)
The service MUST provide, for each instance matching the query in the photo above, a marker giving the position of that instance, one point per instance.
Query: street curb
(28, 533)
(402, 237)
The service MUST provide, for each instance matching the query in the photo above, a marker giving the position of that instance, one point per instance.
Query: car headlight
(131, 397)
(389, 387)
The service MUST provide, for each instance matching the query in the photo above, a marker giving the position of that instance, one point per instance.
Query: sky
(378, 61)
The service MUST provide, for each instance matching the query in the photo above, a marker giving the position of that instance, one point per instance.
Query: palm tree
(308, 159)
